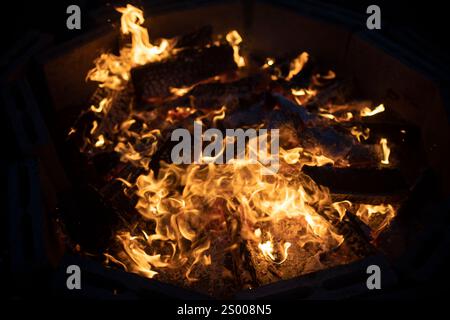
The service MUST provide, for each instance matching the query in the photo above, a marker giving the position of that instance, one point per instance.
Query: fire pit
(338, 140)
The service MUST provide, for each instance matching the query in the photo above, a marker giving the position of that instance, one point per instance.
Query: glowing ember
(180, 91)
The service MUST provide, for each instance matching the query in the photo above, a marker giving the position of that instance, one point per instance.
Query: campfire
(219, 228)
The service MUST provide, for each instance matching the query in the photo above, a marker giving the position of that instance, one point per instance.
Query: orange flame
(234, 39)
(297, 65)
(386, 151)
(367, 112)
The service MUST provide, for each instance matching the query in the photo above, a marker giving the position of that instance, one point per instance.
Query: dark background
(425, 18)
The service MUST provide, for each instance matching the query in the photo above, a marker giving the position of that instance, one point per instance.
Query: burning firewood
(218, 228)
(215, 94)
(183, 69)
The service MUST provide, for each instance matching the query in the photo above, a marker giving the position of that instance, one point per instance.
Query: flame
(328, 76)
(318, 79)
(113, 71)
(303, 95)
(269, 62)
(377, 217)
(267, 250)
(182, 200)
(328, 116)
(181, 209)
(358, 133)
(71, 131)
(338, 116)
(386, 151)
(94, 127)
(303, 92)
(234, 39)
(367, 112)
(142, 51)
(179, 92)
(103, 106)
(342, 207)
(219, 115)
(100, 141)
(297, 65)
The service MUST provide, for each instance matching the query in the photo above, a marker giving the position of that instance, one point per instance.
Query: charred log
(183, 69)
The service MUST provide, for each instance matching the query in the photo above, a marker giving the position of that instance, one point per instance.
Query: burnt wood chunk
(213, 95)
(186, 68)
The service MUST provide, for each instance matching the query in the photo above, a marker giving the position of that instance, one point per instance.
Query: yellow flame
(297, 65)
(303, 92)
(179, 200)
(142, 51)
(329, 76)
(377, 217)
(386, 151)
(235, 39)
(94, 127)
(113, 71)
(100, 141)
(358, 133)
(71, 131)
(367, 112)
(219, 115)
(180, 91)
(268, 250)
(327, 115)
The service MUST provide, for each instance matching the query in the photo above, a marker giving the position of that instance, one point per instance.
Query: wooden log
(186, 68)
(230, 94)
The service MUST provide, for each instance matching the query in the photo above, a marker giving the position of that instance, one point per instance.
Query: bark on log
(186, 68)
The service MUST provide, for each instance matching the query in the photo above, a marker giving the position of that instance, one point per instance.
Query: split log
(186, 68)
(214, 95)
